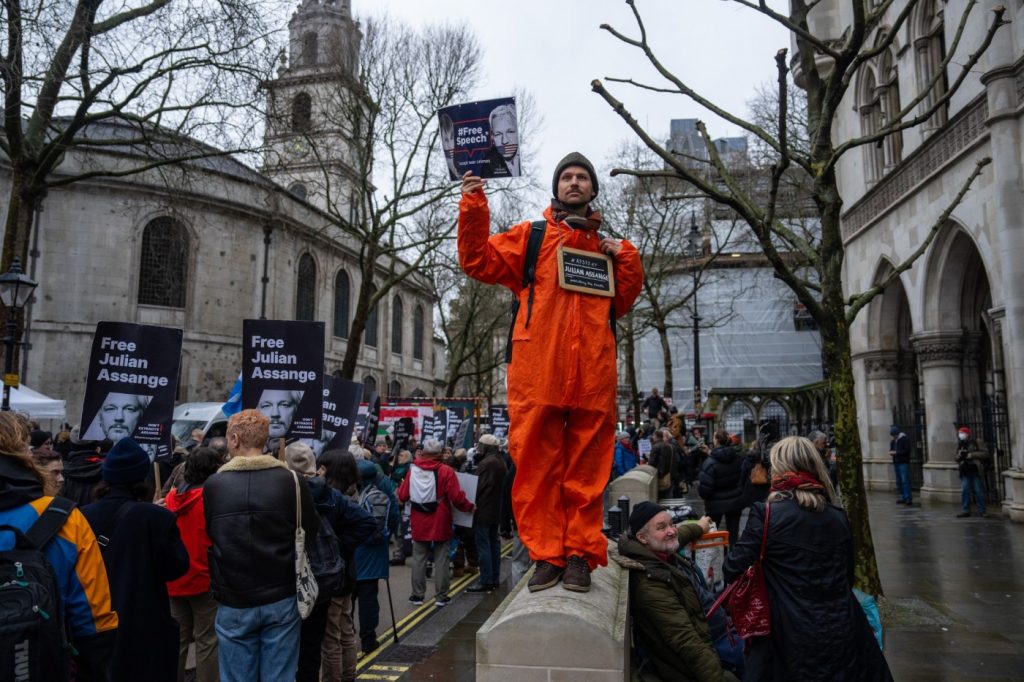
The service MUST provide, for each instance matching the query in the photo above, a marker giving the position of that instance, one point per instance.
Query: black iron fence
(989, 422)
(911, 419)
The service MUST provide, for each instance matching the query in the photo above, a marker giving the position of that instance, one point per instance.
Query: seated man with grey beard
(667, 598)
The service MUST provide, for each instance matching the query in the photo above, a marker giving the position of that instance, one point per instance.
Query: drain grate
(407, 653)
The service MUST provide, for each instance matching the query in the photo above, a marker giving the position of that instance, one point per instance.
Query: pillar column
(882, 392)
(940, 355)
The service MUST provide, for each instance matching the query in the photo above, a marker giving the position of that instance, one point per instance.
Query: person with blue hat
(142, 550)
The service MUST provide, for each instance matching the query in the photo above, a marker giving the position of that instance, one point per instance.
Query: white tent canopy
(35, 404)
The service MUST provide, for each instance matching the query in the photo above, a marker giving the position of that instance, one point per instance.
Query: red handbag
(746, 598)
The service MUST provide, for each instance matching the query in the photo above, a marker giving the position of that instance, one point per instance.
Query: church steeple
(307, 150)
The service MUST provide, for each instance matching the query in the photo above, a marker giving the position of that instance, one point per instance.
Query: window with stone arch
(871, 121)
(163, 266)
(369, 385)
(417, 332)
(310, 48)
(372, 322)
(397, 313)
(305, 289)
(929, 44)
(889, 100)
(395, 389)
(302, 113)
(342, 292)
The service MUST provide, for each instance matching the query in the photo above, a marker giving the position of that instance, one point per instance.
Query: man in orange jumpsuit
(562, 378)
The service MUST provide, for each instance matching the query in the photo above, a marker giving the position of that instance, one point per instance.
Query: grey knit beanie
(573, 159)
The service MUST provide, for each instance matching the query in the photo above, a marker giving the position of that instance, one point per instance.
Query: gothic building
(944, 345)
(205, 244)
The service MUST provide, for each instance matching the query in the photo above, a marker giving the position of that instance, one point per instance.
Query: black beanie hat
(641, 514)
(126, 463)
(573, 159)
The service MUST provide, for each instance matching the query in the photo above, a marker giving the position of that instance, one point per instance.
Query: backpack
(33, 643)
(423, 489)
(376, 503)
(325, 559)
(537, 230)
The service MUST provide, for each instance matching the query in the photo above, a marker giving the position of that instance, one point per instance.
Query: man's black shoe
(962, 515)
(480, 587)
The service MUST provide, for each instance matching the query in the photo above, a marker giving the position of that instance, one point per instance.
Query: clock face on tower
(297, 147)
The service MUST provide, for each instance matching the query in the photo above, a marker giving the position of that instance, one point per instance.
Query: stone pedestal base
(559, 635)
(1013, 505)
(879, 474)
(941, 482)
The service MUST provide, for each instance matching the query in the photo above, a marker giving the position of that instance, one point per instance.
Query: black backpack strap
(538, 229)
(50, 521)
(103, 539)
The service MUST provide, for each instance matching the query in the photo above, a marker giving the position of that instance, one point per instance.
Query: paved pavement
(954, 604)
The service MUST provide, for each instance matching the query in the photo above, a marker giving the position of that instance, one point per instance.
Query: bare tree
(828, 69)
(167, 76)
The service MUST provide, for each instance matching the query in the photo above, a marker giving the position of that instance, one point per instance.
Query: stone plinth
(558, 635)
(638, 484)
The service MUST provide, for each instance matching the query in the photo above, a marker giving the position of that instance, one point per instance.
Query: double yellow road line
(419, 614)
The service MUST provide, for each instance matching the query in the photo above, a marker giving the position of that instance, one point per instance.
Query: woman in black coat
(142, 550)
(720, 485)
(818, 629)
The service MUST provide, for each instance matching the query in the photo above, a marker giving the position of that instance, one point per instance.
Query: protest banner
(282, 375)
(468, 483)
(369, 435)
(482, 137)
(132, 384)
(499, 421)
(340, 406)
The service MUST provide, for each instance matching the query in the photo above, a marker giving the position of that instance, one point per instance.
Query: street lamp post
(15, 290)
(695, 240)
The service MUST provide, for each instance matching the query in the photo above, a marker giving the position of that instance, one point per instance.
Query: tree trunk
(851, 460)
(358, 327)
(18, 226)
(629, 357)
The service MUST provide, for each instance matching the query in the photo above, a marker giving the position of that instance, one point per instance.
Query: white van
(205, 416)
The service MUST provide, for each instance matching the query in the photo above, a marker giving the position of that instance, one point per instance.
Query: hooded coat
(819, 631)
(437, 526)
(187, 506)
(668, 617)
(720, 482)
(490, 473)
(371, 555)
(561, 380)
(76, 560)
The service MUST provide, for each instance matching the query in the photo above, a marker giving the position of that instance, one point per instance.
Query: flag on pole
(234, 401)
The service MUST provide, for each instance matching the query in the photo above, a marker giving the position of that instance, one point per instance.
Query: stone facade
(951, 328)
(245, 236)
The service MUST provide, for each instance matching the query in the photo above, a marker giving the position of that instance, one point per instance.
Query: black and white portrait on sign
(279, 406)
(118, 416)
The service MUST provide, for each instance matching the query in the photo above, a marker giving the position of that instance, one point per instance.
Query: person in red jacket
(562, 377)
(192, 605)
(433, 489)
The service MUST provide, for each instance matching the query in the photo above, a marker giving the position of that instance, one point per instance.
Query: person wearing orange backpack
(561, 376)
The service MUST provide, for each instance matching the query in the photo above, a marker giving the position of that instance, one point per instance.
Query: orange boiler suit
(561, 381)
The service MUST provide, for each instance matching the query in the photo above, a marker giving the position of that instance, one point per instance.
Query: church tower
(310, 119)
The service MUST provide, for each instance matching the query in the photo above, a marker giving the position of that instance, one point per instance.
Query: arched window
(871, 123)
(417, 332)
(372, 323)
(341, 295)
(369, 386)
(739, 419)
(395, 389)
(310, 47)
(163, 269)
(773, 410)
(305, 289)
(302, 112)
(929, 52)
(396, 325)
(889, 100)
(298, 190)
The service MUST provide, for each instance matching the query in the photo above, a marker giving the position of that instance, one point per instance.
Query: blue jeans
(903, 480)
(967, 483)
(488, 549)
(258, 644)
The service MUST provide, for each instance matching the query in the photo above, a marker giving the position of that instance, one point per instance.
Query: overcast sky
(554, 48)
